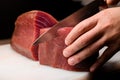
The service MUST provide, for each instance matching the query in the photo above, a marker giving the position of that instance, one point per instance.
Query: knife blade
(71, 20)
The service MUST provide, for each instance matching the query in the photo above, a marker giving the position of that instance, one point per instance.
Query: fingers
(87, 52)
(80, 29)
(84, 40)
(112, 2)
(108, 53)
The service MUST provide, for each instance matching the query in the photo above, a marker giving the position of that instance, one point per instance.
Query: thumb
(112, 2)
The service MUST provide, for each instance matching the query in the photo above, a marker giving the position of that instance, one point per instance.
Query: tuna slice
(50, 53)
(27, 29)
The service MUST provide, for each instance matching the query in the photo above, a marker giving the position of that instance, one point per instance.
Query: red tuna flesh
(27, 29)
(50, 53)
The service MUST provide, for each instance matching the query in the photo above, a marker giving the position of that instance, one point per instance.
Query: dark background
(11, 9)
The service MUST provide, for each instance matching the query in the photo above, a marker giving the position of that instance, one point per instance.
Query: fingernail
(66, 42)
(71, 61)
(65, 53)
(92, 69)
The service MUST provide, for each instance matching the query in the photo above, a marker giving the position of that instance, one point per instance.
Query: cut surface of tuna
(27, 29)
(50, 53)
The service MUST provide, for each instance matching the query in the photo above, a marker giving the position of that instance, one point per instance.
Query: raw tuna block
(27, 29)
(50, 53)
(29, 26)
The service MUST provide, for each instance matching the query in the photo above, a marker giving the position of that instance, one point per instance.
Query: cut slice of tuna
(27, 29)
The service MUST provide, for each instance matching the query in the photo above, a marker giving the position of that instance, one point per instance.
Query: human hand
(112, 2)
(92, 34)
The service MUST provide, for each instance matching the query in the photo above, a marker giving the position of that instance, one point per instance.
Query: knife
(70, 21)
